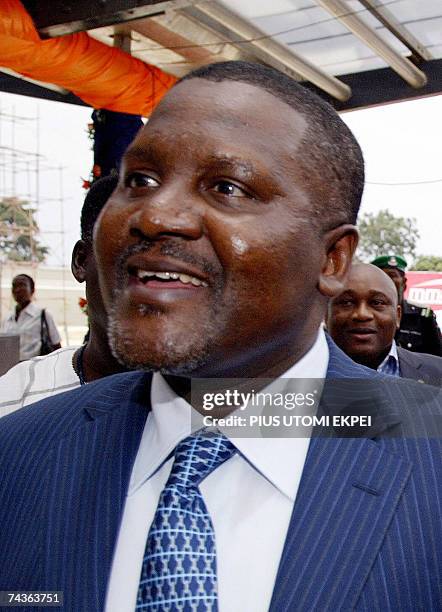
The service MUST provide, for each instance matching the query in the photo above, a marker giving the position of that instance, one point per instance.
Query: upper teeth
(184, 278)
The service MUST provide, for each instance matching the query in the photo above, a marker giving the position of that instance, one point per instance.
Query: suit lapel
(411, 367)
(87, 485)
(348, 494)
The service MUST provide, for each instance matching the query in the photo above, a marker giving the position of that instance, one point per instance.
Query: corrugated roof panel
(315, 34)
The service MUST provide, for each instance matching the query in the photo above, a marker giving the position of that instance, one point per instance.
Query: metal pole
(63, 252)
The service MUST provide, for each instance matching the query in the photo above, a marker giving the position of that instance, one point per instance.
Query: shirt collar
(392, 354)
(31, 309)
(393, 350)
(170, 421)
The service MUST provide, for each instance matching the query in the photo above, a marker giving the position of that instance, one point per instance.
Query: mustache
(173, 248)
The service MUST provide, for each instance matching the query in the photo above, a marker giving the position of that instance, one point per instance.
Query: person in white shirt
(26, 320)
(69, 367)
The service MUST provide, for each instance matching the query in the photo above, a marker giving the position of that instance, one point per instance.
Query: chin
(160, 350)
(366, 359)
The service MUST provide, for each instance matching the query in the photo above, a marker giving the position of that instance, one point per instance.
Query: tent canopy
(356, 53)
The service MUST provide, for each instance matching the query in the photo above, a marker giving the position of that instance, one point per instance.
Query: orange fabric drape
(102, 76)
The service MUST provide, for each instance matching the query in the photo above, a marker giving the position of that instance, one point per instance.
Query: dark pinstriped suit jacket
(366, 530)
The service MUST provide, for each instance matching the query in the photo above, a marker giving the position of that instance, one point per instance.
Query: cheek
(239, 245)
(388, 327)
(272, 279)
(107, 238)
(337, 321)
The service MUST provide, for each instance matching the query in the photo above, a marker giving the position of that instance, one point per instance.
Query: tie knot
(197, 456)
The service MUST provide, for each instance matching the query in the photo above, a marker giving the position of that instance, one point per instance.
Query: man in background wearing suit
(363, 320)
(419, 331)
(231, 228)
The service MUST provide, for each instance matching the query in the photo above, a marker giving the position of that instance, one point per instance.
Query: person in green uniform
(418, 330)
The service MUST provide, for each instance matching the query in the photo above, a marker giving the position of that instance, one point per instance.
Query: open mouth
(164, 279)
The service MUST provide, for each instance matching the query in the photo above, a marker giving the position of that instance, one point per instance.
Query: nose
(362, 312)
(168, 212)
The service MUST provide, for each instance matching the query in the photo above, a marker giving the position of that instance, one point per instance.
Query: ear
(340, 245)
(398, 316)
(80, 255)
(404, 284)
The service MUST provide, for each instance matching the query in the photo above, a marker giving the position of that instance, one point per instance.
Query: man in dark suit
(235, 209)
(363, 320)
(419, 331)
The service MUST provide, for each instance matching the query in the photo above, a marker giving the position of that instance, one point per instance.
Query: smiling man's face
(209, 259)
(364, 318)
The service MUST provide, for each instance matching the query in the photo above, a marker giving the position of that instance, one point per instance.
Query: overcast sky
(402, 143)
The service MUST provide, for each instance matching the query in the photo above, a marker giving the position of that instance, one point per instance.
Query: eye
(230, 190)
(137, 180)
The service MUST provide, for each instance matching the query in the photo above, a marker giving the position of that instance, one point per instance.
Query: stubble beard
(174, 354)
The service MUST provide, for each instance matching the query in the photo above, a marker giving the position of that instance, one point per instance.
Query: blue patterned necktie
(179, 565)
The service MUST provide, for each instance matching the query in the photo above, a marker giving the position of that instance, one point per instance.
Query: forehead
(365, 281)
(392, 272)
(20, 280)
(226, 115)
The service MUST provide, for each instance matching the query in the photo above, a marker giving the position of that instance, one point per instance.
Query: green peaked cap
(390, 261)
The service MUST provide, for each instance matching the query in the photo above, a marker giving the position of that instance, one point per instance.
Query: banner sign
(425, 288)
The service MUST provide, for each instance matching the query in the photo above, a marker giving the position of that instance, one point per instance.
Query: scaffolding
(20, 199)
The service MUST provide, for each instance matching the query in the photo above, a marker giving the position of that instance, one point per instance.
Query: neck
(253, 373)
(371, 361)
(98, 360)
(22, 306)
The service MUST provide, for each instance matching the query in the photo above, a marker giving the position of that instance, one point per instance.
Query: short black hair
(332, 153)
(97, 196)
(29, 278)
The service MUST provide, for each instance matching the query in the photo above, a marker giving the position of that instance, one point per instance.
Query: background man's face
(21, 290)
(398, 279)
(210, 202)
(364, 318)
(84, 268)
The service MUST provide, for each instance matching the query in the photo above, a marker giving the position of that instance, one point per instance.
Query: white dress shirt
(250, 499)
(391, 365)
(28, 327)
(37, 378)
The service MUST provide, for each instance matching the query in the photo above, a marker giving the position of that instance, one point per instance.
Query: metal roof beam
(370, 88)
(166, 37)
(50, 86)
(406, 69)
(69, 16)
(384, 86)
(389, 21)
(20, 86)
(242, 33)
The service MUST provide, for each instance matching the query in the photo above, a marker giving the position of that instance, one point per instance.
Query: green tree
(18, 231)
(430, 263)
(383, 233)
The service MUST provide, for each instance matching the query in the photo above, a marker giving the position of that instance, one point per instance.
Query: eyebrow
(231, 160)
(138, 153)
(371, 294)
(142, 154)
(377, 293)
